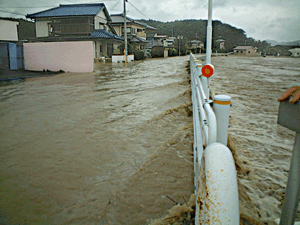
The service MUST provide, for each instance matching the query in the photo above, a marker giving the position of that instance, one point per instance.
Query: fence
(11, 56)
(214, 169)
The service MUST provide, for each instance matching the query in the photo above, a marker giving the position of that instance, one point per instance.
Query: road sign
(207, 70)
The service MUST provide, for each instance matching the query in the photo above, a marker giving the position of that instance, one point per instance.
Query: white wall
(121, 58)
(41, 28)
(8, 30)
(100, 18)
(55, 56)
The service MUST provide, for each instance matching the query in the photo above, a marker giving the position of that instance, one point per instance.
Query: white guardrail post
(214, 168)
(221, 108)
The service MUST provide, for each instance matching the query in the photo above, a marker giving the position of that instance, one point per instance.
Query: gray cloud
(267, 19)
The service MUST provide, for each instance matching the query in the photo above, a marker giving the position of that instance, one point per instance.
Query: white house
(295, 52)
(8, 30)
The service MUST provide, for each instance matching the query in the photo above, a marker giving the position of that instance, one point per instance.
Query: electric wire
(16, 13)
(138, 10)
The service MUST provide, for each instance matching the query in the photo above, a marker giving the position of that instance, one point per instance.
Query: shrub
(172, 52)
(138, 55)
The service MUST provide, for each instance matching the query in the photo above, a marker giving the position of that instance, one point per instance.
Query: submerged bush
(138, 55)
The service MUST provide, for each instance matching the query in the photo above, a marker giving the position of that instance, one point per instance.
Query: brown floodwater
(107, 147)
(114, 146)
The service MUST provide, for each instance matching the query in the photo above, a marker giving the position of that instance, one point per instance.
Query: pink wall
(54, 56)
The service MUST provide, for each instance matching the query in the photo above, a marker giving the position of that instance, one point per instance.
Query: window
(128, 30)
(102, 26)
(78, 20)
(249, 52)
(241, 51)
(100, 47)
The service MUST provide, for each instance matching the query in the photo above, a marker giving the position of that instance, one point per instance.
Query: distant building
(157, 40)
(295, 52)
(171, 41)
(220, 44)
(284, 49)
(244, 50)
(136, 31)
(196, 44)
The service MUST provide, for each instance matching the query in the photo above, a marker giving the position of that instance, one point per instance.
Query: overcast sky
(261, 19)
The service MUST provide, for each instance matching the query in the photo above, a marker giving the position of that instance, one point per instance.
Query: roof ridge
(81, 4)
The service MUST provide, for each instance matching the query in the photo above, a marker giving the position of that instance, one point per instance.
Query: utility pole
(125, 31)
(179, 37)
(209, 33)
(179, 44)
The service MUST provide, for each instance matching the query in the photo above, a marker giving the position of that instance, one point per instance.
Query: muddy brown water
(112, 146)
(73, 145)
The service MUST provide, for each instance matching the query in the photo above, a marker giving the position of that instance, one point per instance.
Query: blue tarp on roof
(105, 34)
(70, 10)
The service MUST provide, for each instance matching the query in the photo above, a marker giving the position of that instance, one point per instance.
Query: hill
(196, 29)
(273, 42)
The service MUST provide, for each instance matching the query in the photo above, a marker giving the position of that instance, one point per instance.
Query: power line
(138, 10)
(12, 12)
(115, 5)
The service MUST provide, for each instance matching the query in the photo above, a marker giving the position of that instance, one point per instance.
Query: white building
(8, 30)
(295, 52)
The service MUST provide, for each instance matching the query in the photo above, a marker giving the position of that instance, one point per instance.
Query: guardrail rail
(215, 176)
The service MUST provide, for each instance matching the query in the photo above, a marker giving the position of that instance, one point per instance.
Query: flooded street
(112, 147)
(99, 148)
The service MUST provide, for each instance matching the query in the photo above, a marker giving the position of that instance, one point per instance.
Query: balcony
(73, 29)
(141, 35)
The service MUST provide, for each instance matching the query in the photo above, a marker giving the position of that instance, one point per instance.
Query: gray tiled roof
(105, 34)
(70, 10)
(138, 39)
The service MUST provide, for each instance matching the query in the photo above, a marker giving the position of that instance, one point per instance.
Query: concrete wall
(8, 30)
(121, 58)
(54, 56)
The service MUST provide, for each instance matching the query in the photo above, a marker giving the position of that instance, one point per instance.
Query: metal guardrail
(214, 169)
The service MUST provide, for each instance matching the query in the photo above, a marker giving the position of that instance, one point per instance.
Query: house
(171, 41)
(284, 49)
(155, 39)
(295, 52)
(77, 22)
(8, 30)
(69, 37)
(220, 44)
(136, 31)
(196, 44)
(273, 51)
(244, 50)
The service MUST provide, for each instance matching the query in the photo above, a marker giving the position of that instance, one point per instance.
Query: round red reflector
(207, 70)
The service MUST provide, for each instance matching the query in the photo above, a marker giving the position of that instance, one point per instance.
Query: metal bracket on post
(288, 116)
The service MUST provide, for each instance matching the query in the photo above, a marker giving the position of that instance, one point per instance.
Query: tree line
(196, 30)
